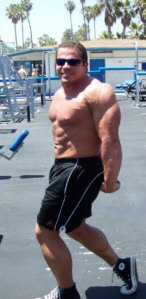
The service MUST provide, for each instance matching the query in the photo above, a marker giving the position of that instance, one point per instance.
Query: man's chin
(65, 79)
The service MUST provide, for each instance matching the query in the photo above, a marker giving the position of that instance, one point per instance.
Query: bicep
(108, 127)
(105, 111)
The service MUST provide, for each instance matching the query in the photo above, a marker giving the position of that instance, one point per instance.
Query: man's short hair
(77, 45)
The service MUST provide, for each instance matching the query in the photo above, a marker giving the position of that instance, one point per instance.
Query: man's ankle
(70, 292)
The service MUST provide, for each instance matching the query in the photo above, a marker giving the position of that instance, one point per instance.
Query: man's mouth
(66, 74)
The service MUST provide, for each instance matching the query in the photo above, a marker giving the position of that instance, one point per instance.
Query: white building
(111, 61)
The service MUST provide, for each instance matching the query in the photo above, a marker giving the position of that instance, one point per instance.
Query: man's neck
(76, 86)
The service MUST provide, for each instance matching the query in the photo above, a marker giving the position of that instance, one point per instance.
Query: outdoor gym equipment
(15, 145)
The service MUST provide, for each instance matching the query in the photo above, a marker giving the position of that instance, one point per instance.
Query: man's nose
(66, 64)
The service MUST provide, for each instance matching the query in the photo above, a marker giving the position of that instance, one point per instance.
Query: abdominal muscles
(74, 132)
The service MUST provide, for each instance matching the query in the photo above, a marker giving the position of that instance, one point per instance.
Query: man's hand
(105, 189)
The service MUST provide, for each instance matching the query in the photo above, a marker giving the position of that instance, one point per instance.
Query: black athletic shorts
(73, 186)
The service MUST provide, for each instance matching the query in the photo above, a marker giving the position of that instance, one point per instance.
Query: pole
(137, 102)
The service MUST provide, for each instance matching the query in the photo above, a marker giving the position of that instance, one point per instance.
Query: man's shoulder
(95, 83)
(98, 90)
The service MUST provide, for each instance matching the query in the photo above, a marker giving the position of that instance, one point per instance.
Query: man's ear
(85, 65)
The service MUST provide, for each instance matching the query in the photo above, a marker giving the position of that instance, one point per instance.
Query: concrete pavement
(23, 271)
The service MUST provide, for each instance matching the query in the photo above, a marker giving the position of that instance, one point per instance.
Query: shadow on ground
(113, 292)
(25, 176)
(1, 237)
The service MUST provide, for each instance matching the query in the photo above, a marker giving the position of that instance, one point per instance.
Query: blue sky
(47, 17)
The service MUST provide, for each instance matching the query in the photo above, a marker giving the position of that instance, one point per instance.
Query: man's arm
(108, 132)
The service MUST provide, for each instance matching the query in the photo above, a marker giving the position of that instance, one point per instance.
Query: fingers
(114, 188)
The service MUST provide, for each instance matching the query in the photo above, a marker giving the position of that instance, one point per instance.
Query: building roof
(114, 44)
(109, 43)
(96, 45)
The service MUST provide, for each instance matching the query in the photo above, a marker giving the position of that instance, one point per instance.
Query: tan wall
(115, 54)
(27, 57)
(122, 54)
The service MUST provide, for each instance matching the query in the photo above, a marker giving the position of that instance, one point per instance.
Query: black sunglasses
(71, 61)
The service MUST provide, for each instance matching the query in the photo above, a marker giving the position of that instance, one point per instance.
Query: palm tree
(12, 12)
(104, 35)
(141, 5)
(27, 43)
(81, 33)
(110, 17)
(112, 12)
(96, 11)
(67, 35)
(143, 16)
(135, 30)
(84, 22)
(88, 17)
(22, 18)
(26, 7)
(70, 6)
(45, 40)
(128, 12)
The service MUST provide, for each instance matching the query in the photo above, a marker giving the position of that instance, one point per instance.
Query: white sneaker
(55, 294)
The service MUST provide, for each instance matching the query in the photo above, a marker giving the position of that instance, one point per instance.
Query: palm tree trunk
(22, 29)
(16, 45)
(94, 29)
(143, 17)
(88, 30)
(71, 27)
(30, 32)
(123, 32)
(109, 32)
(84, 20)
(144, 30)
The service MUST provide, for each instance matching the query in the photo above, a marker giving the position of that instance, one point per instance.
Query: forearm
(111, 154)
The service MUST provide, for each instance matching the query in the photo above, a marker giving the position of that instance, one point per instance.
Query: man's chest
(69, 112)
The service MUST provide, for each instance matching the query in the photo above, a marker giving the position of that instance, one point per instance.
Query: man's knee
(45, 235)
(41, 232)
(38, 232)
